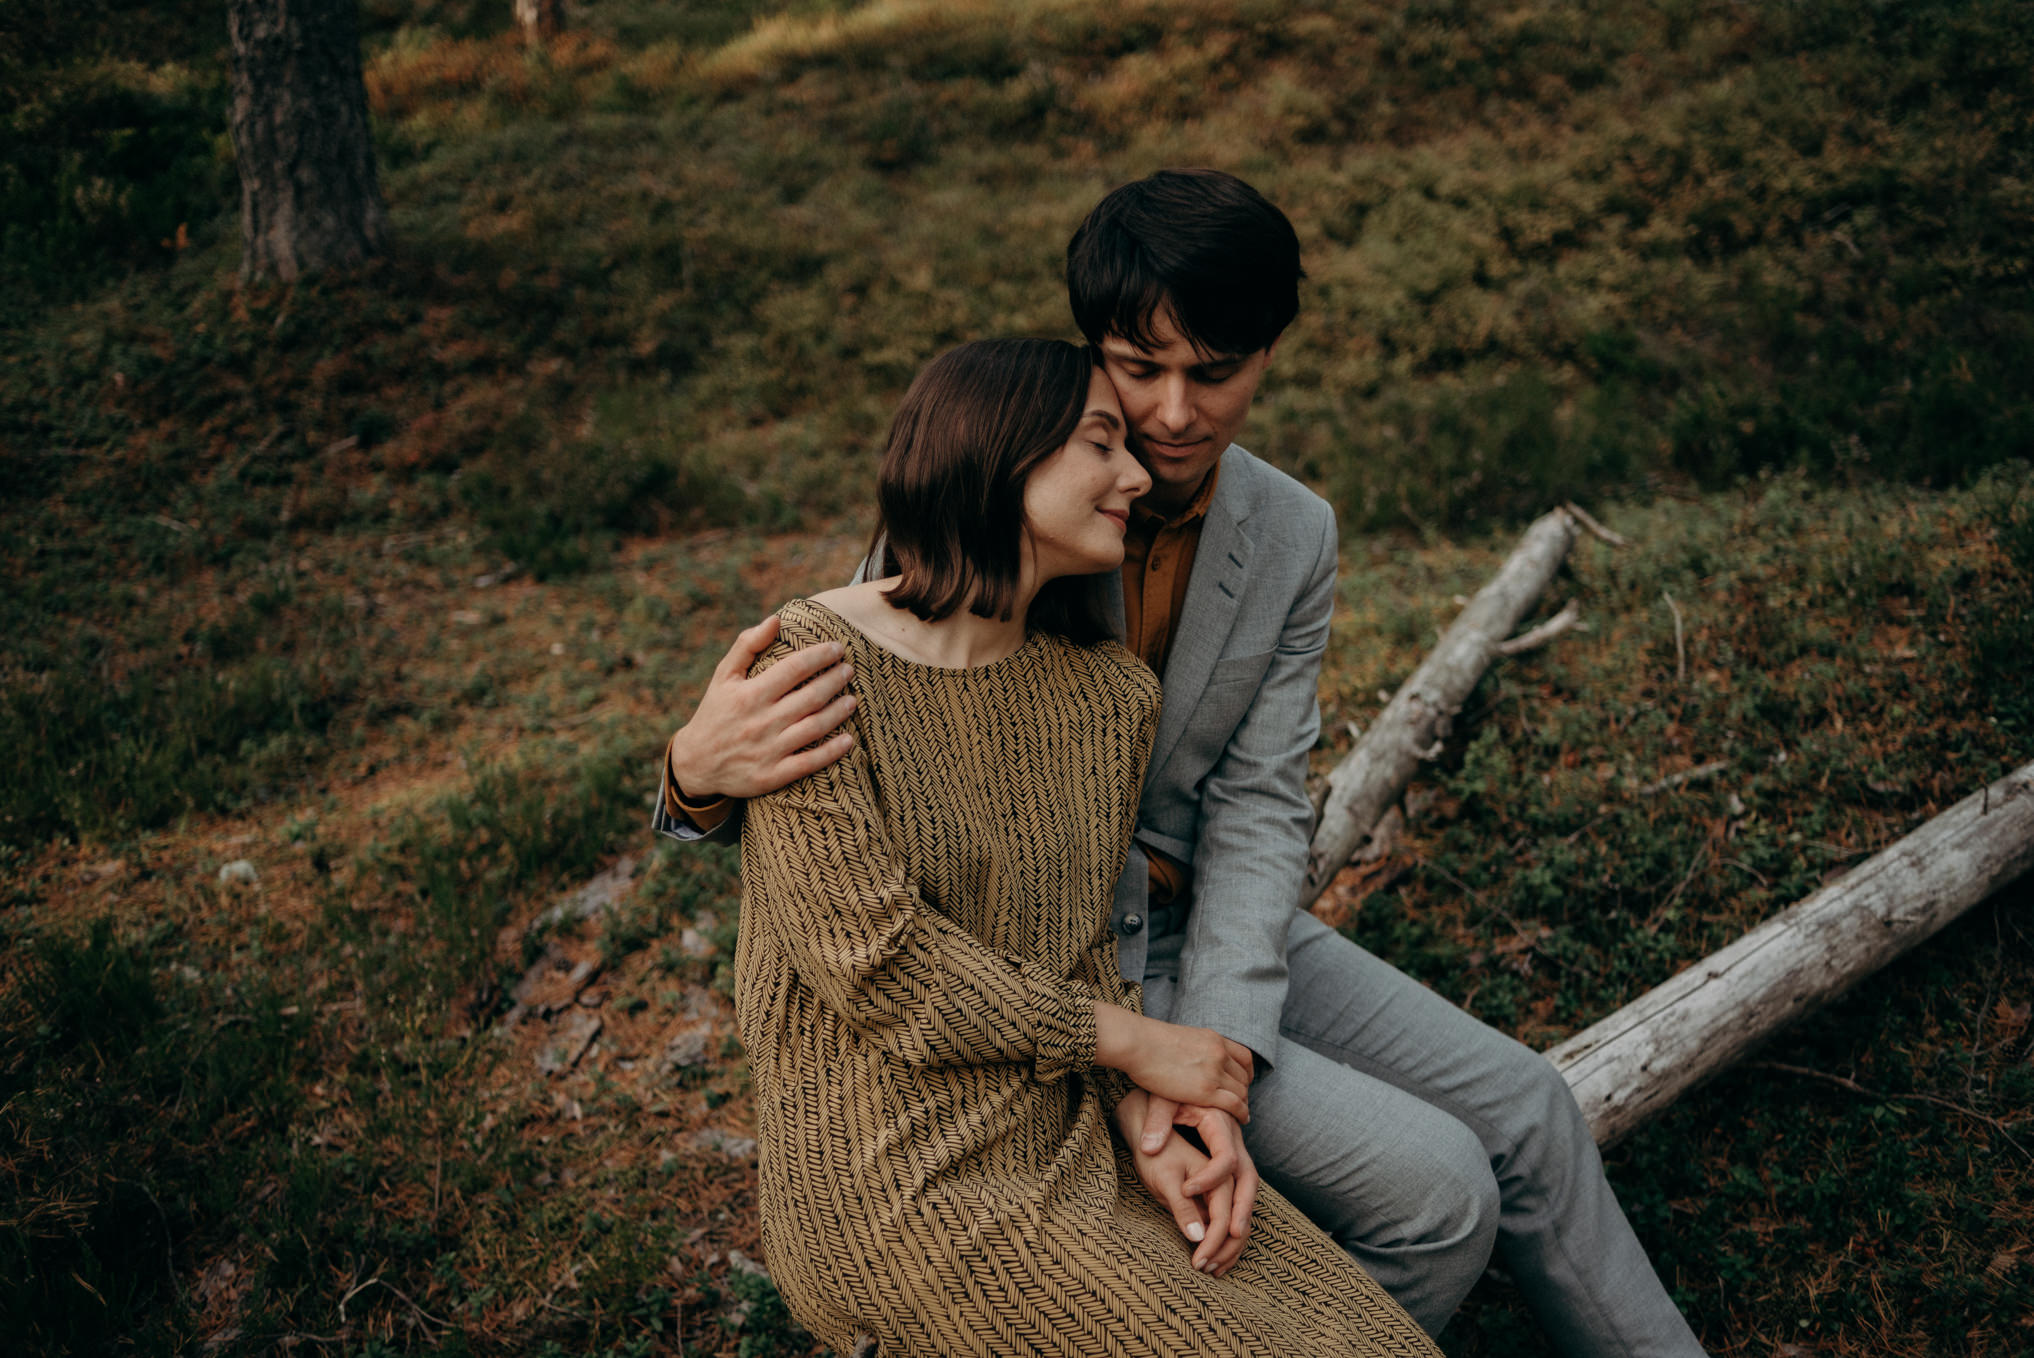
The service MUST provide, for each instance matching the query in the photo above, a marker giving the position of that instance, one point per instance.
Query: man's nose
(1174, 412)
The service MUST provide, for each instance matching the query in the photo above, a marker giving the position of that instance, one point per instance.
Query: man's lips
(1166, 448)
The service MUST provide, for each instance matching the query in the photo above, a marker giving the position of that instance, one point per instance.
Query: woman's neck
(961, 640)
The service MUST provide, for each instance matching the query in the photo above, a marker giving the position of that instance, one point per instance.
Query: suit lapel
(1214, 590)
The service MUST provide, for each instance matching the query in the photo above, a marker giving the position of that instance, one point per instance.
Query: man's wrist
(681, 769)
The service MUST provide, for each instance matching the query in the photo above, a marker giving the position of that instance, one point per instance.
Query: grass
(391, 584)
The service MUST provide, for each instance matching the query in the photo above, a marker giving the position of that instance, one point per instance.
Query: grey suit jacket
(1226, 789)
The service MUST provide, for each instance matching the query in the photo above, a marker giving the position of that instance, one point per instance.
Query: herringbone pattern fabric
(923, 937)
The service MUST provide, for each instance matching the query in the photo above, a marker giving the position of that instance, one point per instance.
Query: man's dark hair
(950, 490)
(1205, 242)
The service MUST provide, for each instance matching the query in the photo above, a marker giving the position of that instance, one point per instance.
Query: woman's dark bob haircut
(950, 492)
(1216, 250)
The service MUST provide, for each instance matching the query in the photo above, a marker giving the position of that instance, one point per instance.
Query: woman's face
(1077, 501)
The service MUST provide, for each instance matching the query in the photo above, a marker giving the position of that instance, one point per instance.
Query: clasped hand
(1186, 1065)
(1210, 1192)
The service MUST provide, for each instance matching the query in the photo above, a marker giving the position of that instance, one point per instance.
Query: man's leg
(1561, 1233)
(1402, 1186)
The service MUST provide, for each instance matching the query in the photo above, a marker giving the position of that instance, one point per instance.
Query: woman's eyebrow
(1109, 415)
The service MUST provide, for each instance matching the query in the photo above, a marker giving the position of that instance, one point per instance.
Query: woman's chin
(1109, 560)
(1097, 562)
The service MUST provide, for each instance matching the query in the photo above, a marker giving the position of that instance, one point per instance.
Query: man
(1417, 1136)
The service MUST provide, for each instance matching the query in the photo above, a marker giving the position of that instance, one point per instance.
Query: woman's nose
(1135, 480)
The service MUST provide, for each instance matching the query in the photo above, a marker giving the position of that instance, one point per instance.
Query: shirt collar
(1147, 518)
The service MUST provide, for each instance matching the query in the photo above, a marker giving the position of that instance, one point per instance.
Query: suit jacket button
(1131, 924)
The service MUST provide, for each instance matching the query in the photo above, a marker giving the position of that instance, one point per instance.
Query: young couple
(999, 898)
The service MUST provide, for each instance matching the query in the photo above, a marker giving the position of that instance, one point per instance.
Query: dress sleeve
(1098, 966)
(822, 879)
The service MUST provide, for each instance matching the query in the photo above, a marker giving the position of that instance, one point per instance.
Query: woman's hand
(1186, 1065)
(1210, 1206)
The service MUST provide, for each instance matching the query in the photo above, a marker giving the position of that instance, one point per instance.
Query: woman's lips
(1121, 516)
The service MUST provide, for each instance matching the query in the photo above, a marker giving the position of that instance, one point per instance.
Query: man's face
(1183, 407)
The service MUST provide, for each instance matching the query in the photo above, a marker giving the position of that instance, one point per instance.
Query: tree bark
(1373, 775)
(1641, 1058)
(309, 200)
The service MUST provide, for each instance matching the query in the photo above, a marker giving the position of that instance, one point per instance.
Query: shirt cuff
(705, 816)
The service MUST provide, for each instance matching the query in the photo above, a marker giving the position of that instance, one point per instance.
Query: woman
(926, 985)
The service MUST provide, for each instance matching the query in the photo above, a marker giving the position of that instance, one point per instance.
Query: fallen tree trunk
(1374, 774)
(1641, 1058)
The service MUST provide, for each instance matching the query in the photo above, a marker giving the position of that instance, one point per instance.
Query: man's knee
(1433, 1254)
(1426, 1195)
(1459, 1203)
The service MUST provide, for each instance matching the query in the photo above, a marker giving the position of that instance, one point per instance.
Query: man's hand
(1229, 1169)
(749, 736)
(1212, 1209)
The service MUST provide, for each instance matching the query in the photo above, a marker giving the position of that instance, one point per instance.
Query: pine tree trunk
(309, 200)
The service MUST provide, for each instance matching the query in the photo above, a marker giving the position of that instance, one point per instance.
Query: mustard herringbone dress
(923, 938)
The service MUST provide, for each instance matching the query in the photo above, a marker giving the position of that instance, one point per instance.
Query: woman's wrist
(1115, 1036)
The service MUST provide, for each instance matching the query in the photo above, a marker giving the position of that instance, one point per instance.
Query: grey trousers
(1420, 1138)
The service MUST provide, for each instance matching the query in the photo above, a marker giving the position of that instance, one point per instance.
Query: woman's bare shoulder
(861, 605)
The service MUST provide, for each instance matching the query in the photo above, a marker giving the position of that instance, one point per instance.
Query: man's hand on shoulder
(749, 736)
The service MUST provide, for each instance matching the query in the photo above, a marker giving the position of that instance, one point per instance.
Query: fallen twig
(1694, 775)
(1846, 1083)
(1660, 912)
(1680, 644)
(422, 1314)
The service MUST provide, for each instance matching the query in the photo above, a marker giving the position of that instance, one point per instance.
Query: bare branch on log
(1595, 529)
(1640, 1059)
(1374, 774)
(1567, 620)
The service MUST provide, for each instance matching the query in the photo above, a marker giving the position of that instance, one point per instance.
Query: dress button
(1131, 924)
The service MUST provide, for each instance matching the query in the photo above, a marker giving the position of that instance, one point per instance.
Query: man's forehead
(1120, 346)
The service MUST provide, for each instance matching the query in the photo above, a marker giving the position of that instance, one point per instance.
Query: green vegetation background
(393, 584)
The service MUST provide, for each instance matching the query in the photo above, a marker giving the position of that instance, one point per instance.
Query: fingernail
(1197, 1233)
(1151, 1145)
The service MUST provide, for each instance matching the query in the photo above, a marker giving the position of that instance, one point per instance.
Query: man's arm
(1251, 854)
(751, 736)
